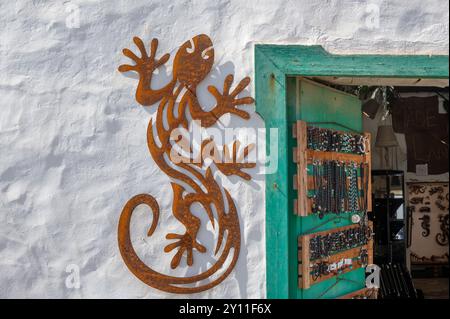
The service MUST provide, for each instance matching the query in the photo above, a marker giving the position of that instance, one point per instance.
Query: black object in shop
(396, 282)
(389, 216)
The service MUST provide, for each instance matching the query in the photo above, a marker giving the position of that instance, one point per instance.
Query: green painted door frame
(275, 69)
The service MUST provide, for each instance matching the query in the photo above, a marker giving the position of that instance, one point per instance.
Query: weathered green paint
(272, 82)
(302, 60)
(329, 289)
(319, 103)
(294, 221)
(273, 66)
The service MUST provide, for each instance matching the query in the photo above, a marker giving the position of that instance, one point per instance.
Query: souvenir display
(333, 178)
(339, 187)
(322, 139)
(325, 245)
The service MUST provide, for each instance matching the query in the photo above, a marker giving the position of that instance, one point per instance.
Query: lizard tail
(180, 285)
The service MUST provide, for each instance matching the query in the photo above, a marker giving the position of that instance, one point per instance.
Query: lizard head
(194, 60)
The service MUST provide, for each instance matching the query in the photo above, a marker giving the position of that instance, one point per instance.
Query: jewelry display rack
(353, 254)
(304, 184)
(304, 157)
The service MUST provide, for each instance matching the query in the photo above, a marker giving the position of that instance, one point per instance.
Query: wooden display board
(304, 156)
(305, 279)
(303, 182)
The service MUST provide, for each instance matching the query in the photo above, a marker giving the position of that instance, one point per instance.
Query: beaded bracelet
(322, 246)
(322, 139)
(336, 187)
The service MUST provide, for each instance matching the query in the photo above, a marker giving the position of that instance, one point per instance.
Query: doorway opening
(282, 72)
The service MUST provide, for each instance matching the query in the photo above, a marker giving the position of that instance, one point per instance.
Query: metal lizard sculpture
(192, 63)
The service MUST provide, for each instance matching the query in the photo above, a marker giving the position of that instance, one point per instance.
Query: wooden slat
(334, 156)
(295, 154)
(304, 262)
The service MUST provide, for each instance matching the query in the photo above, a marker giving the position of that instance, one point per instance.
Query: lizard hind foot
(184, 243)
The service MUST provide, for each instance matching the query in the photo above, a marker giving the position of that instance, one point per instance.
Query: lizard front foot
(145, 64)
(232, 164)
(227, 101)
(185, 243)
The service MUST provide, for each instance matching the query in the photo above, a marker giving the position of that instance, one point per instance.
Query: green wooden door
(323, 107)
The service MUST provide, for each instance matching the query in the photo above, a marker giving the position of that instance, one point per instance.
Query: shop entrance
(305, 83)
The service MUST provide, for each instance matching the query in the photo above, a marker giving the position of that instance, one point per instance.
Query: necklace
(322, 139)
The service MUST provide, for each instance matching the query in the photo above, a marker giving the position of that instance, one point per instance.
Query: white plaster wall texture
(72, 137)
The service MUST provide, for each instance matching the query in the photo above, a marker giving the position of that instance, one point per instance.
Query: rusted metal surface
(192, 64)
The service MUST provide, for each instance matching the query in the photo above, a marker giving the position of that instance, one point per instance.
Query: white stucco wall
(72, 137)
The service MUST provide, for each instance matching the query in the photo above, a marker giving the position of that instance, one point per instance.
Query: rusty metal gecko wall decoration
(192, 63)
